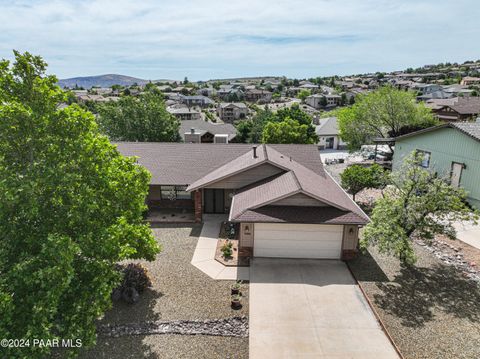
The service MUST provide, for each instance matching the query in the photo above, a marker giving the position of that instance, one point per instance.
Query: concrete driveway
(469, 233)
(311, 309)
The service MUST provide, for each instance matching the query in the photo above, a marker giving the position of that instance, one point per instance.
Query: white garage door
(297, 240)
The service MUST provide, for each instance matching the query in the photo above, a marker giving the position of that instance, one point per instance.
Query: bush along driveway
(185, 314)
(431, 310)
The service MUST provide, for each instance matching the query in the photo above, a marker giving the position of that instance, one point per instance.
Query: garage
(285, 240)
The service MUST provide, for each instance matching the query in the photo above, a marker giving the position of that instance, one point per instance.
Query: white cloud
(211, 39)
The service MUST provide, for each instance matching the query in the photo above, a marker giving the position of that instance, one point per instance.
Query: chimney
(192, 131)
(254, 148)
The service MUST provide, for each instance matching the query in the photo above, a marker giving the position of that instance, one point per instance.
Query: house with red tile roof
(285, 203)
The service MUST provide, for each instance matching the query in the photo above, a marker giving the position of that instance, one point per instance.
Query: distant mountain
(101, 81)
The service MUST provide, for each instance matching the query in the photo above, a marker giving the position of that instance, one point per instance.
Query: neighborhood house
(285, 203)
(329, 134)
(452, 150)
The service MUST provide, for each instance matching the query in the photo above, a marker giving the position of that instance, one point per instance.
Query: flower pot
(236, 304)
(235, 291)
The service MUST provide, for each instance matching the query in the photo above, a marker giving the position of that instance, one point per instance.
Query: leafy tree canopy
(253, 130)
(419, 203)
(382, 113)
(356, 178)
(303, 94)
(70, 208)
(143, 118)
(286, 131)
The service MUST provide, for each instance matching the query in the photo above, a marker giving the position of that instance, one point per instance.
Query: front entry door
(214, 200)
(456, 174)
(330, 142)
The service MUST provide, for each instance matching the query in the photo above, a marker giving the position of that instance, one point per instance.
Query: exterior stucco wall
(338, 144)
(446, 145)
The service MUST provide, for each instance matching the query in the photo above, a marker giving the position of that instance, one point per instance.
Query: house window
(168, 192)
(182, 193)
(425, 158)
(175, 192)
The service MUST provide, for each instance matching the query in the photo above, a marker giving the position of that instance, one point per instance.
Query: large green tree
(286, 131)
(143, 118)
(356, 178)
(70, 208)
(254, 130)
(383, 113)
(251, 130)
(418, 203)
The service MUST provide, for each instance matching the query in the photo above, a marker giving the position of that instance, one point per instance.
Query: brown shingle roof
(322, 187)
(467, 105)
(296, 214)
(202, 164)
(184, 163)
(265, 192)
(241, 163)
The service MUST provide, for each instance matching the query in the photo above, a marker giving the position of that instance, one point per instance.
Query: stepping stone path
(229, 327)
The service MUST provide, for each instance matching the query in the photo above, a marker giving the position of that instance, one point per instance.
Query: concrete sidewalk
(204, 255)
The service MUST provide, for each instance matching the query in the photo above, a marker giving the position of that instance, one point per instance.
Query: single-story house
(200, 131)
(452, 150)
(285, 203)
(329, 135)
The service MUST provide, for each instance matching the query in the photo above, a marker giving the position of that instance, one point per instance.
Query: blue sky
(217, 39)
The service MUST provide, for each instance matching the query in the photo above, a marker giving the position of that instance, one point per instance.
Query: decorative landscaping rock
(443, 251)
(229, 327)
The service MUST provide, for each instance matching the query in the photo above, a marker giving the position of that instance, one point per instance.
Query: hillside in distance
(101, 81)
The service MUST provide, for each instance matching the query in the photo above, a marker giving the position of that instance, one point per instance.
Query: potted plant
(236, 287)
(236, 298)
(227, 249)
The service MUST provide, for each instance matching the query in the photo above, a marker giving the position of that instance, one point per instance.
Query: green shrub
(227, 250)
(135, 280)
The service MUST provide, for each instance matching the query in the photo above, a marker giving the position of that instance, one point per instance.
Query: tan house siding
(247, 177)
(350, 241)
(246, 235)
(299, 199)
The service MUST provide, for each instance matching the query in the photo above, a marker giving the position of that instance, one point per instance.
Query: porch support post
(349, 242)
(197, 197)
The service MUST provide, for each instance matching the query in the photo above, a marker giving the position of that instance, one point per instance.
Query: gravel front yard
(180, 291)
(430, 311)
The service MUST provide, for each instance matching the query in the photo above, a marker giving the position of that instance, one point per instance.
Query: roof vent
(192, 131)
(254, 148)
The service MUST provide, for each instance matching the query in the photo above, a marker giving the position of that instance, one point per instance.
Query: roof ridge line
(296, 180)
(265, 153)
